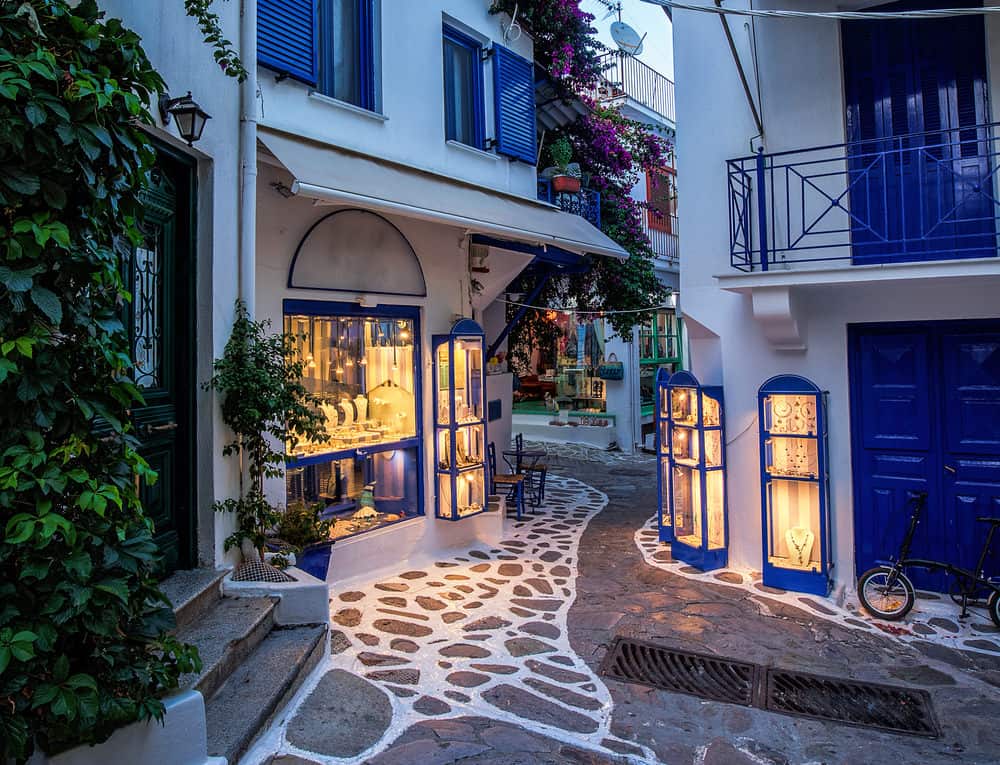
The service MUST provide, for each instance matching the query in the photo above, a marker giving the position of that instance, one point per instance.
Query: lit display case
(794, 485)
(696, 466)
(361, 365)
(460, 421)
(662, 438)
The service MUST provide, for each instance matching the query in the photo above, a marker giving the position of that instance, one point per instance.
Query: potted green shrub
(564, 174)
(264, 403)
(301, 529)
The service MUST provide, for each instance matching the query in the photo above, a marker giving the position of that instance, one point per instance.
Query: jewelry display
(800, 543)
(793, 415)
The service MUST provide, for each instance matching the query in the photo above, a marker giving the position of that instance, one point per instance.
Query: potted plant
(264, 403)
(302, 530)
(564, 174)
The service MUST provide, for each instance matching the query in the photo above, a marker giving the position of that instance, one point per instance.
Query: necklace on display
(801, 540)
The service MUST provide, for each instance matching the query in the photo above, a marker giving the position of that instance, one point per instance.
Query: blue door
(918, 165)
(925, 403)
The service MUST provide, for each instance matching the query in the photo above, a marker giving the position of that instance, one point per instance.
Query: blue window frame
(463, 89)
(350, 51)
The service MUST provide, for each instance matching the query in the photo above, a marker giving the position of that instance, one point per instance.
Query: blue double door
(919, 169)
(925, 410)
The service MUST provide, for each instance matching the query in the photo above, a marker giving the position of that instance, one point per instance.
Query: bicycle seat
(992, 521)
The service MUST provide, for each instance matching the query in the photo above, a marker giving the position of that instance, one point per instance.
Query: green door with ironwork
(160, 276)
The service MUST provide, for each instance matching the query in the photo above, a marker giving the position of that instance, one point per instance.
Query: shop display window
(691, 451)
(460, 427)
(794, 485)
(361, 365)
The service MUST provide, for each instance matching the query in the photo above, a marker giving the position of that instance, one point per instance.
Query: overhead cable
(933, 13)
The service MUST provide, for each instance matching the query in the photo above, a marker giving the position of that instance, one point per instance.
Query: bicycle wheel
(994, 607)
(886, 593)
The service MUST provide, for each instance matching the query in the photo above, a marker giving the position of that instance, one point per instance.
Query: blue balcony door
(918, 164)
(925, 402)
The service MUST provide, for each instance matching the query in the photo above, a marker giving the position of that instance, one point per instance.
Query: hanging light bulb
(349, 363)
(404, 334)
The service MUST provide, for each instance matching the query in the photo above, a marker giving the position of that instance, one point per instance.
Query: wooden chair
(513, 485)
(535, 474)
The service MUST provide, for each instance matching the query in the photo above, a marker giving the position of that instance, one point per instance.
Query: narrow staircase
(250, 666)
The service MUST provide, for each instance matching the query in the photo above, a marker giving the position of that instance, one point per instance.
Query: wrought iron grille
(586, 203)
(623, 75)
(922, 196)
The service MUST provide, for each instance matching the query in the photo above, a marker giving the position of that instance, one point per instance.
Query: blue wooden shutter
(286, 37)
(514, 101)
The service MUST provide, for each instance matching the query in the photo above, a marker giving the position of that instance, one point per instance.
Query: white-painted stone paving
(483, 633)
(933, 619)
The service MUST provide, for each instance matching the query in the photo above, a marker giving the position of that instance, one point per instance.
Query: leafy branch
(211, 28)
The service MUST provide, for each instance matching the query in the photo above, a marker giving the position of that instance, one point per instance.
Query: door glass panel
(147, 315)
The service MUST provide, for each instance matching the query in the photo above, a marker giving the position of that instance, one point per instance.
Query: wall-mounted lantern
(189, 117)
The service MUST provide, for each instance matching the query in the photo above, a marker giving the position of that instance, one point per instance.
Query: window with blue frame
(363, 469)
(463, 89)
(333, 45)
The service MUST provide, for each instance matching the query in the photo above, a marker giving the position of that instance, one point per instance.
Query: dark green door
(160, 277)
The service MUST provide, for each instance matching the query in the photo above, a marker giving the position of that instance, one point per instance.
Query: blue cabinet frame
(693, 464)
(795, 485)
(460, 421)
(665, 518)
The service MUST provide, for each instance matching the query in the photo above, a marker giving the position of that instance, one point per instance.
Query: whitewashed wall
(410, 129)
(174, 45)
(802, 105)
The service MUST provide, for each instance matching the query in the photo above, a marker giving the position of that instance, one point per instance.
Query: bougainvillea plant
(84, 630)
(565, 44)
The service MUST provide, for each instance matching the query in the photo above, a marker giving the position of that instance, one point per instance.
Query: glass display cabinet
(695, 454)
(460, 421)
(662, 438)
(794, 485)
(360, 364)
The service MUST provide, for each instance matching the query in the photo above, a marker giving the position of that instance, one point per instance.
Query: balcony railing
(665, 245)
(918, 197)
(626, 76)
(586, 203)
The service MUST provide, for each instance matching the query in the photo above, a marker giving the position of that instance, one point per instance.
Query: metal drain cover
(871, 705)
(889, 707)
(681, 671)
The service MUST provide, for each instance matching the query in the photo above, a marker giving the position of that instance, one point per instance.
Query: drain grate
(680, 671)
(871, 705)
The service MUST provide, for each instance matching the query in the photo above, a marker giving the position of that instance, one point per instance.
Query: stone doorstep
(224, 636)
(261, 687)
(192, 593)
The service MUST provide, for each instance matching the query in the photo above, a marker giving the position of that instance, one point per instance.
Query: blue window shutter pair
(514, 102)
(286, 37)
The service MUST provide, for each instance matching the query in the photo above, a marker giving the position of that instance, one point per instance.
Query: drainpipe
(248, 157)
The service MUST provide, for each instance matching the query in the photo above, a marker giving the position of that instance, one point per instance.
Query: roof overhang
(333, 175)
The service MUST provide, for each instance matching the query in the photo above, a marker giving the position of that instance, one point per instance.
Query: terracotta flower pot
(565, 184)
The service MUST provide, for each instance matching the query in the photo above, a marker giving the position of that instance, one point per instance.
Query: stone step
(192, 592)
(225, 635)
(261, 686)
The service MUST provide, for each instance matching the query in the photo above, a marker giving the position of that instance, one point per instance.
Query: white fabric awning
(339, 176)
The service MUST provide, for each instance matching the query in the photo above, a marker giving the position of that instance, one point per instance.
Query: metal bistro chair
(535, 473)
(513, 484)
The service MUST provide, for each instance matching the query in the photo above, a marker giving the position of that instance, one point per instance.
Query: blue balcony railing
(586, 203)
(923, 196)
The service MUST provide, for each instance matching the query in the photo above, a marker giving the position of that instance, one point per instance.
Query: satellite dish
(626, 38)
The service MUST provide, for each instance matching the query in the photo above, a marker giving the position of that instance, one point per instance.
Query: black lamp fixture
(189, 117)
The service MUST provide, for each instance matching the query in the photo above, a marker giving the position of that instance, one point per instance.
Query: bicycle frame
(974, 579)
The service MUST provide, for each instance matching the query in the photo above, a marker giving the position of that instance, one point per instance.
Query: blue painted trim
(476, 92)
(302, 241)
(461, 329)
(335, 308)
(666, 531)
(514, 105)
(286, 38)
(812, 582)
(364, 64)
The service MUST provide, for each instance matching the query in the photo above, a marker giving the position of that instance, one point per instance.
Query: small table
(534, 455)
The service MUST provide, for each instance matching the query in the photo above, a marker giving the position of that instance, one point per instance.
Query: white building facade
(856, 250)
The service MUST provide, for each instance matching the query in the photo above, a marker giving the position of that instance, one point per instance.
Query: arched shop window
(362, 365)
(357, 251)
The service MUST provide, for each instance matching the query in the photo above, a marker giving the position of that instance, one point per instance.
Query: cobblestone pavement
(619, 594)
(390, 696)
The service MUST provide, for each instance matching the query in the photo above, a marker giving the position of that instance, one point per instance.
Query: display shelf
(690, 447)
(460, 430)
(362, 471)
(794, 485)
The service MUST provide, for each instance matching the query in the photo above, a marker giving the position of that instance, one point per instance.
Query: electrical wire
(933, 13)
(585, 313)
